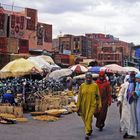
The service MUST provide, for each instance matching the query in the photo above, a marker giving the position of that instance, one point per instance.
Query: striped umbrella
(79, 68)
(114, 68)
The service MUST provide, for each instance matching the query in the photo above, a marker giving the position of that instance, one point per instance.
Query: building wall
(76, 45)
(55, 45)
(105, 58)
(22, 26)
(108, 49)
(95, 46)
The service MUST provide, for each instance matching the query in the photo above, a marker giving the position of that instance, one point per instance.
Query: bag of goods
(64, 100)
(73, 107)
(70, 93)
(18, 111)
(65, 111)
(54, 102)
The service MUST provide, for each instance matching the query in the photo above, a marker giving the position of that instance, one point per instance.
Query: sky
(120, 18)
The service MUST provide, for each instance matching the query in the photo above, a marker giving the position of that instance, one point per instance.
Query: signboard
(67, 52)
(31, 22)
(137, 53)
(40, 34)
(17, 26)
(3, 24)
(47, 33)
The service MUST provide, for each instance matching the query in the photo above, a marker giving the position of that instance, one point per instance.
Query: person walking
(88, 100)
(105, 92)
(121, 93)
(137, 94)
(128, 122)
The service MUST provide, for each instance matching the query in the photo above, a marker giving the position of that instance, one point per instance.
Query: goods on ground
(54, 112)
(21, 119)
(45, 118)
(37, 113)
(51, 102)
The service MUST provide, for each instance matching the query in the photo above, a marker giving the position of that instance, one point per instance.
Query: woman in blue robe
(137, 92)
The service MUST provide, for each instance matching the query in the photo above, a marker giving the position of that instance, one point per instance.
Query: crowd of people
(95, 97)
(129, 102)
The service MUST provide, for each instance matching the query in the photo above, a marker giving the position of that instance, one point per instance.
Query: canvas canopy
(19, 67)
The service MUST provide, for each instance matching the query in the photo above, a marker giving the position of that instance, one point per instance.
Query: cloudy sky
(120, 18)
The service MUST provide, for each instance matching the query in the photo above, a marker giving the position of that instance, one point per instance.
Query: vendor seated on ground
(8, 97)
(69, 83)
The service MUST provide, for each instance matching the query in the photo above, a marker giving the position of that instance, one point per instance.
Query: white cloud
(117, 17)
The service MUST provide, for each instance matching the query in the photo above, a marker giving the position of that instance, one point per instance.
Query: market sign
(31, 22)
(66, 51)
(3, 24)
(17, 26)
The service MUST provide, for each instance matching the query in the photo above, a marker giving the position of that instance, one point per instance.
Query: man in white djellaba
(128, 122)
(121, 93)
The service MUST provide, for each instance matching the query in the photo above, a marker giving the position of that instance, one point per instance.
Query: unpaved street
(69, 127)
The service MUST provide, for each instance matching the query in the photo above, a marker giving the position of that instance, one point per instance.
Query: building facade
(20, 31)
(109, 49)
(75, 45)
(105, 49)
(24, 31)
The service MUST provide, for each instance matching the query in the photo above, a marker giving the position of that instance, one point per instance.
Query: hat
(102, 74)
(8, 91)
(137, 75)
(88, 75)
(69, 78)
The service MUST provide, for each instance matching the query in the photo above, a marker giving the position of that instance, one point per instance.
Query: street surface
(69, 127)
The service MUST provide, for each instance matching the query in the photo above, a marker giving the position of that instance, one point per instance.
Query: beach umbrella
(55, 67)
(129, 69)
(60, 73)
(79, 68)
(19, 67)
(114, 68)
(40, 62)
(46, 58)
(82, 76)
(95, 69)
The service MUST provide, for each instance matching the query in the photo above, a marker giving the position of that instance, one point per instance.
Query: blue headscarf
(137, 89)
(137, 75)
(131, 88)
